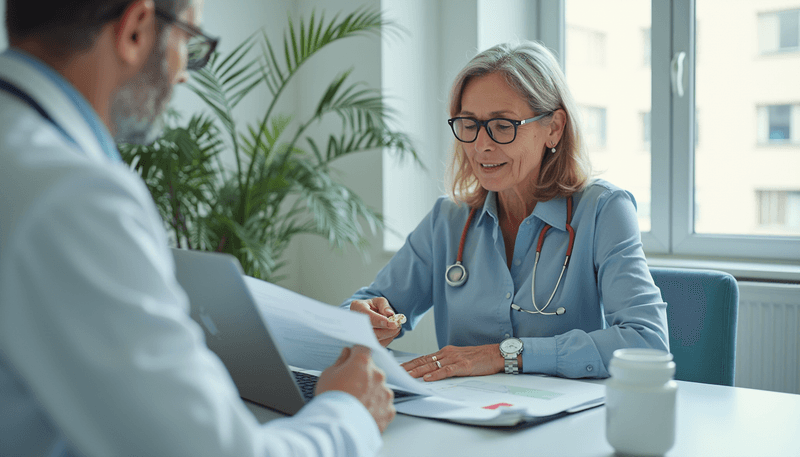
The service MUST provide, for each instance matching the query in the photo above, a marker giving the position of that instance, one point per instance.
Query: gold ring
(434, 358)
(439, 364)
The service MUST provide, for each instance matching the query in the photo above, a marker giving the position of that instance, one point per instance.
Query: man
(98, 355)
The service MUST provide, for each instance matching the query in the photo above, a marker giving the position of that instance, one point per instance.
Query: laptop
(222, 305)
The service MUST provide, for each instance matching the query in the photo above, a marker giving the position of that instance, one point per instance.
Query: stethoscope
(456, 274)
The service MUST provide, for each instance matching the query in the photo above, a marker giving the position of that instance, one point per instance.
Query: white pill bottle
(640, 402)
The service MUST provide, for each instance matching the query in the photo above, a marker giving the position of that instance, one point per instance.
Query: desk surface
(711, 421)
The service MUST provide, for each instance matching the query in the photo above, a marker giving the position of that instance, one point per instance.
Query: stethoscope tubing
(458, 279)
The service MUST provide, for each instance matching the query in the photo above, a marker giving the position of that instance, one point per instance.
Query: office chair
(702, 310)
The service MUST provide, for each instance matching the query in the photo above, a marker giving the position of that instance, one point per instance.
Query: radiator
(768, 337)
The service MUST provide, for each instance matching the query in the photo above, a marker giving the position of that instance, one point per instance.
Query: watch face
(511, 345)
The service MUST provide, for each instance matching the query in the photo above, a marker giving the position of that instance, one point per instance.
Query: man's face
(137, 107)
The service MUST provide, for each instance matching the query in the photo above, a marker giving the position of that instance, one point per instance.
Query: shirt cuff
(539, 355)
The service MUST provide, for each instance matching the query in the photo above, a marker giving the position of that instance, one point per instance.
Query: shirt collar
(552, 212)
(76, 98)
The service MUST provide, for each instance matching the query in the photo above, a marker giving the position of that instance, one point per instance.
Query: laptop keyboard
(307, 382)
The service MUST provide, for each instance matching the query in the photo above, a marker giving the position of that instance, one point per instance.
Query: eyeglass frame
(485, 124)
(193, 31)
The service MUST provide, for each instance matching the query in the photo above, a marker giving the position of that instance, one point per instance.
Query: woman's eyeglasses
(500, 130)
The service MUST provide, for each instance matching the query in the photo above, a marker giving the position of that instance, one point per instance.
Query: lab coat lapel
(54, 102)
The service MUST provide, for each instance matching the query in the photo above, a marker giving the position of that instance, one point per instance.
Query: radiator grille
(768, 337)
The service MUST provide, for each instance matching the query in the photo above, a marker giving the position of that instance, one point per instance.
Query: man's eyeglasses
(200, 46)
(500, 130)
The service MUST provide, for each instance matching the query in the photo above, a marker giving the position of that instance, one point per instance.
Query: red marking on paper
(498, 405)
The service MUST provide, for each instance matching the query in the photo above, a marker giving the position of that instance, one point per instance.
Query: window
(646, 47)
(778, 210)
(615, 99)
(779, 124)
(587, 48)
(594, 127)
(779, 31)
(717, 197)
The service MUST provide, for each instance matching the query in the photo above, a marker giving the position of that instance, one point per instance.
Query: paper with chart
(311, 335)
(528, 396)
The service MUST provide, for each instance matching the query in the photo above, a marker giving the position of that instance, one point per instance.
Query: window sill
(741, 270)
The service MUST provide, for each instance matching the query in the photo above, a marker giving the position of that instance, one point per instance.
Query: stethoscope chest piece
(456, 275)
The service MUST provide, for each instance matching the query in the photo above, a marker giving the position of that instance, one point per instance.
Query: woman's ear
(556, 126)
(136, 33)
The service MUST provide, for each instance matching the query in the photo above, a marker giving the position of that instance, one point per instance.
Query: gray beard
(137, 107)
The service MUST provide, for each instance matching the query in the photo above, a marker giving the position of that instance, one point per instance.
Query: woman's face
(503, 168)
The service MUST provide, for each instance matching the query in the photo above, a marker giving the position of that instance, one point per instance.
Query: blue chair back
(702, 311)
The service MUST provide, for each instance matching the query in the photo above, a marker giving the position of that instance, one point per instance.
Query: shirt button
(508, 295)
(527, 222)
(517, 262)
(507, 335)
(589, 368)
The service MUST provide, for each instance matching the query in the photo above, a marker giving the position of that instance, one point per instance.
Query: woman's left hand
(452, 361)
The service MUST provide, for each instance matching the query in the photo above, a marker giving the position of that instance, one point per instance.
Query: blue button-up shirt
(609, 296)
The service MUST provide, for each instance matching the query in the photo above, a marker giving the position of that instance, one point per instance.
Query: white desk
(712, 421)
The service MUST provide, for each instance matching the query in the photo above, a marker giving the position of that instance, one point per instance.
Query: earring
(552, 148)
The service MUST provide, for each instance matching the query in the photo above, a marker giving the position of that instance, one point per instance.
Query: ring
(434, 358)
(439, 364)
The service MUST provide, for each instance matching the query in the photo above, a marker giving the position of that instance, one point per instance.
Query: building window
(646, 46)
(586, 47)
(779, 124)
(778, 209)
(594, 127)
(779, 31)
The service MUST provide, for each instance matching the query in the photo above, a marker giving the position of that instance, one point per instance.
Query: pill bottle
(640, 402)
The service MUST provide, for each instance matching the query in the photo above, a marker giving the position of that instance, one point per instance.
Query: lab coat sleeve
(96, 325)
(633, 308)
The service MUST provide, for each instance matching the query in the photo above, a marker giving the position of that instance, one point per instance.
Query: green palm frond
(282, 184)
(303, 41)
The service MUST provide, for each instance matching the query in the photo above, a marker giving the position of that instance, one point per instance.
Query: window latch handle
(676, 72)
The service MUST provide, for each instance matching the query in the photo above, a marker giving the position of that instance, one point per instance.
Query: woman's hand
(452, 361)
(378, 310)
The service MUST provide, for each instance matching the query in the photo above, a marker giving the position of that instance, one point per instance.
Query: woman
(518, 167)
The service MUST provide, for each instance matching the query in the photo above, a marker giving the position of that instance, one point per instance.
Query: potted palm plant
(280, 183)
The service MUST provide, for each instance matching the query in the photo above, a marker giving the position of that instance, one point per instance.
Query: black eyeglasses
(500, 130)
(200, 46)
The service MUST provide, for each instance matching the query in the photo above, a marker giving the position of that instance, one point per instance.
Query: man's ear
(136, 33)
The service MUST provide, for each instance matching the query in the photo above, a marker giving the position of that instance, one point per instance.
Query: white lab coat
(97, 351)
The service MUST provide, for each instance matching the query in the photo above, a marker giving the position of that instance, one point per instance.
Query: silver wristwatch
(510, 348)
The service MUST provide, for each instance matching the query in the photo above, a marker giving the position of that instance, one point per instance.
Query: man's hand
(355, 373)
(378, 310)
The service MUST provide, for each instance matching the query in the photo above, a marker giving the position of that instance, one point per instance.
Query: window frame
(672, 145)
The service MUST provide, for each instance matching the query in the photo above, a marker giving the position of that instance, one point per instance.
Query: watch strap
(511, 365)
